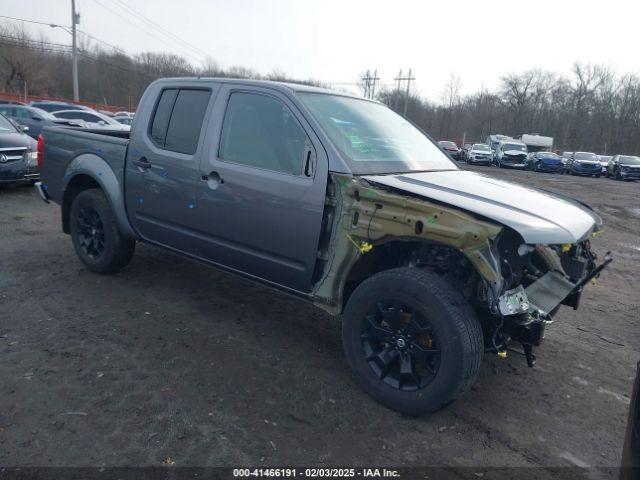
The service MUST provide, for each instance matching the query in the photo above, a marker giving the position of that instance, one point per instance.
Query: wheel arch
(91, 171)
(392, 254)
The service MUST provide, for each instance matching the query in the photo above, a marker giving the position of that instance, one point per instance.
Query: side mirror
(102, 122)
(24, 128)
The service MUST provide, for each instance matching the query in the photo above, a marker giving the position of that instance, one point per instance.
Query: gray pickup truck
(339, 201)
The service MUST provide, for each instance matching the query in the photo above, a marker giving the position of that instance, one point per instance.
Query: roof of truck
(287, 86)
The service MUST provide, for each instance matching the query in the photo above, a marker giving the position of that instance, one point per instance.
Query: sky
(336, 41)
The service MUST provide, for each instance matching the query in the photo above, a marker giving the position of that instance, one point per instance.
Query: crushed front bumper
(526, 311)
(546, 293)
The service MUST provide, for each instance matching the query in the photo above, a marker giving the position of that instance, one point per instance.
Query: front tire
(412, 340)
(95, 234)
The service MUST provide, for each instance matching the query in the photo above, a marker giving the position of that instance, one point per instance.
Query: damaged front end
(527, 308)
(515, 287)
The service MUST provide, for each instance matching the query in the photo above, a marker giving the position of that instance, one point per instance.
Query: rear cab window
(177, 119)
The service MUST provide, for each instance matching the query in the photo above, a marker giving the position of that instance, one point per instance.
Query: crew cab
(341, 202)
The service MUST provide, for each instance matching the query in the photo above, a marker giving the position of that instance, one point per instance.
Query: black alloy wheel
(400, 345)
(90, 232)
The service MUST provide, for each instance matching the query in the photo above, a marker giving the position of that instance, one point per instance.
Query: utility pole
(75, 19)
(374, 80)
(367, 84)
(408, 79)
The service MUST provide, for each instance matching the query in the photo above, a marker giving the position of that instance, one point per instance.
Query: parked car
(92, 119)
(337, 200)
(584, 163)
(465, 150)
(624, 167)
(510, 153)
(451, 149)
(124, 120)
(55, 106)
(604, 161)
(34, 118)
(544, 162)
(479, 153)
(18, 155)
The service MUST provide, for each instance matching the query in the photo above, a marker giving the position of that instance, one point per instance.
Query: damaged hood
(540, 217)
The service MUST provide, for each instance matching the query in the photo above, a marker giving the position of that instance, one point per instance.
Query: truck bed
(67, 149)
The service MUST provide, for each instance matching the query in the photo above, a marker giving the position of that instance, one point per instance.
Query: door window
(260, 131)
(162, 115)
(23, 113)
(178, 118)
(186, 121)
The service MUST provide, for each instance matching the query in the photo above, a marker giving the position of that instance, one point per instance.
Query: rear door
(162, 168)
(261, 200)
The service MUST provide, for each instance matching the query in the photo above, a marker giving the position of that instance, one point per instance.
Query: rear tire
(95, 234)
(412, 340)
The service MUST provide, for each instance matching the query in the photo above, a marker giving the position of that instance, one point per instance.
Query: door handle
(214, 180)
(142, 163)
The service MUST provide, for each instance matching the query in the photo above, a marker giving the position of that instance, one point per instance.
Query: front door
(162, 169)
(261, 198)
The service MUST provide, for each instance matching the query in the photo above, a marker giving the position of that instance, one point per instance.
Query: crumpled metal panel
(549, 291)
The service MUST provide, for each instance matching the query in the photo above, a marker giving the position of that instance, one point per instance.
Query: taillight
(40, 151)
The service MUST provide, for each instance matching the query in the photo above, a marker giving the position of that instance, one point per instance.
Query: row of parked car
(32, 118)
(513, 154)
(20, 125)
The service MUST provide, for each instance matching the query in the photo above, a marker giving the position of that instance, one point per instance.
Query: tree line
(106, 75)
(593, 109)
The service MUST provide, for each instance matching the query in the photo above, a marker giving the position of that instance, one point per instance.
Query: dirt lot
(172, 359)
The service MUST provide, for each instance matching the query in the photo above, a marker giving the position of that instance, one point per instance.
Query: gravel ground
(171, 359)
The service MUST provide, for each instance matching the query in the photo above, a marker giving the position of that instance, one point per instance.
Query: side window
(162, 115)
(186, 121)
(22, 113)
(260, 131)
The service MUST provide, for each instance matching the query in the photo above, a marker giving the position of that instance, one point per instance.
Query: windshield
(6, 125)
(548, 155)
(445, 144)
(372, 138)
(629, 160)
(481, 147)
(585, 156)
(514, 146)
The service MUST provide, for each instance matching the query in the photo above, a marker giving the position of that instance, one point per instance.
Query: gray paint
(539, 217)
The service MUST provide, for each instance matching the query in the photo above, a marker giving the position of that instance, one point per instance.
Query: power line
(158, 27)
(63, 49)
(32, 21)
(137, 25)
(118, 49)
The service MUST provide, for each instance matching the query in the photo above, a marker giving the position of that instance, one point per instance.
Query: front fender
(95, 167)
